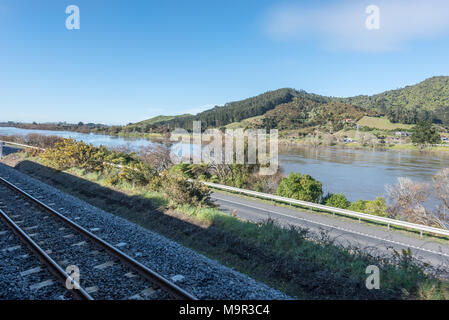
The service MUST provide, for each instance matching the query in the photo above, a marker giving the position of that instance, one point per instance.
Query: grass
(141, 135)
(301, 264)
(382, 123)
(246, 123)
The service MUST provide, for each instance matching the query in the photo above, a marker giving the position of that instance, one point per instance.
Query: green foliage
(181, 191)
(337, 200)
(146, 126)
(184, 169)
(376, 207)
(306, 112)
(224, 115)
(291, 109)
(425, 133)
(68, 153)
(425, 101)
(137, 174)
(301, 187)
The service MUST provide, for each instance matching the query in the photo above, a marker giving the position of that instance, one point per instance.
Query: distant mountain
(292, 109)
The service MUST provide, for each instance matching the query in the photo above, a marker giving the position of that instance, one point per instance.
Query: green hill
(291, 109)
(427, 100)
(147, 125)
(154, 120)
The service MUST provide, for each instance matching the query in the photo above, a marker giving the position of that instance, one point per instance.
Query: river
(359, 174)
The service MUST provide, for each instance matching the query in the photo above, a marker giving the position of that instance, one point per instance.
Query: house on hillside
(403, 133)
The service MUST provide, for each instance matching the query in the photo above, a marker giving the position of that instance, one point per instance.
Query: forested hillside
(291, 109)
(427, 100)
(235, 111)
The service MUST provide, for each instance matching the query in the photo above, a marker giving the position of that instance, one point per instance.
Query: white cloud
(342, 26)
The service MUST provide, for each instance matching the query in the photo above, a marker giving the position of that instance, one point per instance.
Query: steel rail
(53, 267)
(138, 267)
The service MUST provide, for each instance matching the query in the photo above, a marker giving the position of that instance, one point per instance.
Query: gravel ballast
(203, 277)
(22, 275)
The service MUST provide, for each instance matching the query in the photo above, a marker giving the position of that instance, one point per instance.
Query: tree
(406, 202)
(301, 187)
(425, 133)
(157, 157)
(441, 193)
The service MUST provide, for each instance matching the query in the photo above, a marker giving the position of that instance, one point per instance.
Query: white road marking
(338, 228)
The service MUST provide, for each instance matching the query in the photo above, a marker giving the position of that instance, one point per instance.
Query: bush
(137, 174)
(181, 191)
(337, 201)
(376, 207)
(301, 187)
(69, 153)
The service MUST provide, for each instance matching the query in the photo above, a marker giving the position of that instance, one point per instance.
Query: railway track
(63, 246)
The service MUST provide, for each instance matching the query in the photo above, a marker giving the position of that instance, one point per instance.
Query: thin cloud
(342, 26)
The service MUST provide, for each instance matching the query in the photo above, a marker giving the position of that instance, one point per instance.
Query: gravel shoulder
(201, 276)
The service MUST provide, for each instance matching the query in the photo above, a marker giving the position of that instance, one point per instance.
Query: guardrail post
(335, 211)
(1, 149)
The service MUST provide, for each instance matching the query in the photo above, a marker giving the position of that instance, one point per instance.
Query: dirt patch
(12, 159)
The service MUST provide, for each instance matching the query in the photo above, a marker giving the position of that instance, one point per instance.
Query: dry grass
(382, 124)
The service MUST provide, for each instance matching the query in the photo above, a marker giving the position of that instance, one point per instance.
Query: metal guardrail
(3, 142)
(349, 213)
(389, 222)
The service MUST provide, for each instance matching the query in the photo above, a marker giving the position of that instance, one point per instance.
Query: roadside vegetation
(153, 192)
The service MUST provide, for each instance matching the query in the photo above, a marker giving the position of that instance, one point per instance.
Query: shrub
(301, 187)
(376, 207)
(183, 169)
(181, 191)
(68, 154)
(137, 174)
(337, 201)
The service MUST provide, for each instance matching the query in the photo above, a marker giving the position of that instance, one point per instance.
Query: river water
(359, 174)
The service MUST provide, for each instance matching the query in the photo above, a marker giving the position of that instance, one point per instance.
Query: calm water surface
(359, 174)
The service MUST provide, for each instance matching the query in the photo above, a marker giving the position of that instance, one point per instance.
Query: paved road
(343, 230)
(8, 150)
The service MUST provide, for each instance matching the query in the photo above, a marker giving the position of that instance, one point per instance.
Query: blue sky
(132, 60)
